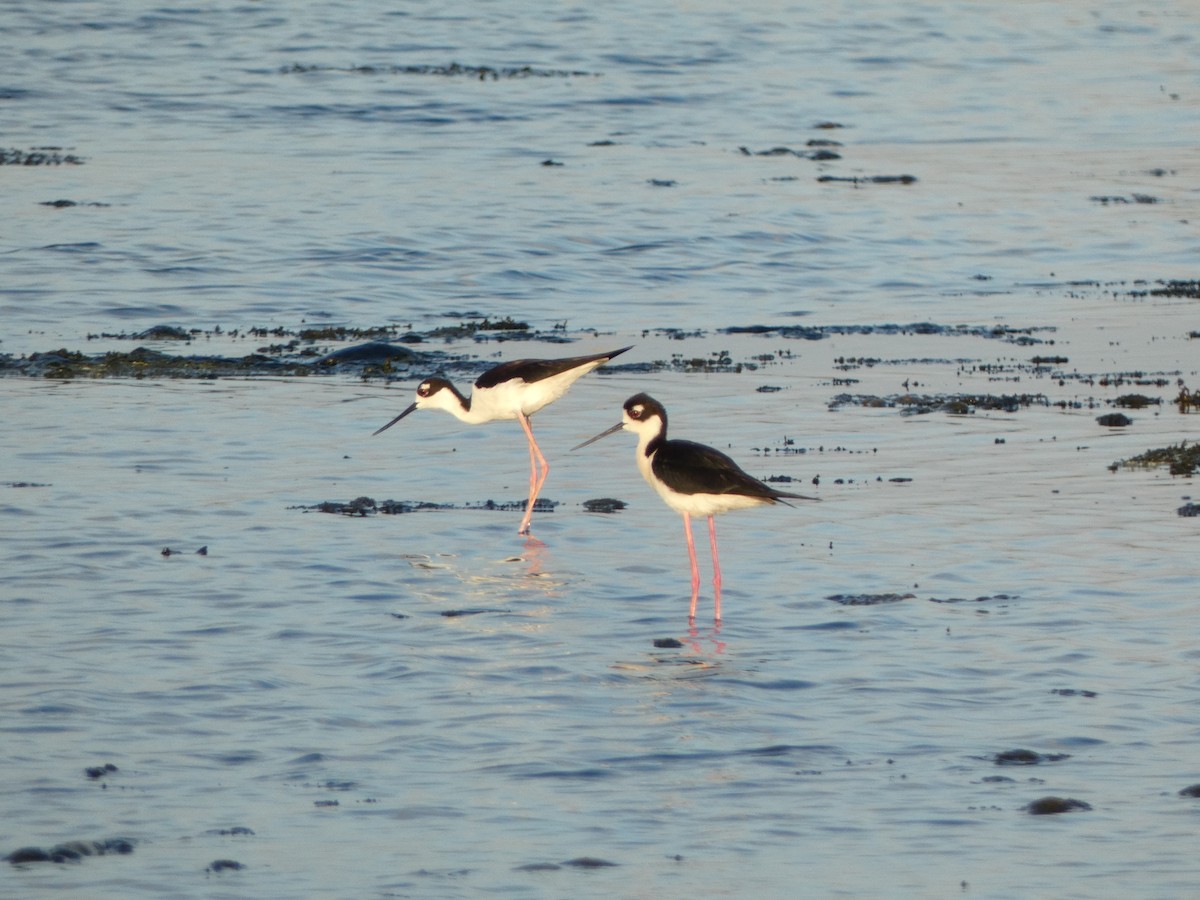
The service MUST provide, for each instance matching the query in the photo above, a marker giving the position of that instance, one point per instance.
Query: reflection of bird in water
(512, 390)
(692, 479)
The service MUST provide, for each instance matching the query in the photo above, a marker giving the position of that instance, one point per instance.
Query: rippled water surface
(428, 705)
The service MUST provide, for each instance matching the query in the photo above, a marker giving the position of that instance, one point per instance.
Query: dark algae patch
(38, 156)
(362, 507)
(954, 404)
(1022, 757)
(817, 332)
(1136, 401)
(398, 352)
(819, 152)
(604, 505)
(1187, 288)
(579, 862)
(983, 599)
(1187, 401)
(71, 851)
(448, 70)
(1180, 459)
(588, 862)
(869, 179)
(1049, 806)
(868, 599)
(225, 865)
(145, 363)
(366, 506)
(376, 352)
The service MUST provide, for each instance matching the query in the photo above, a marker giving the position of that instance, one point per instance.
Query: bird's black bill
(395, 420)
(593, 440)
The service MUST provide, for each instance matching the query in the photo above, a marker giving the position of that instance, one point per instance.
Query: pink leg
(535, 483)
(687, 529)
(712, 539)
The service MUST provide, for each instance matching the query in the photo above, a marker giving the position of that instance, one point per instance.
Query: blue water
(242, 168)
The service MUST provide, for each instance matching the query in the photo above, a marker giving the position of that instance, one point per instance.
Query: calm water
(301, 680)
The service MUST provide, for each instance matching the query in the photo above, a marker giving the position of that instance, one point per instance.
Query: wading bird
(511, 390)
(692, 479)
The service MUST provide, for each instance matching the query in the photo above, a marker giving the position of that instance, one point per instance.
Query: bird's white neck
(645, 453)
(451, 401)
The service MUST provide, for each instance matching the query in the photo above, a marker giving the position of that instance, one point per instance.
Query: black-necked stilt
(693, 479)
(511, 390)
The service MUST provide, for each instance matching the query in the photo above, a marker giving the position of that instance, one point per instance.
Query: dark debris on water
(868, 599)
(38, 156)
(983, 599)
(367, 506)
(1188, 289)
(818, 332)
(1180, 459)
(604, 505)
(395, 352)
(448, 70)
(1050, 806)
(869, 179)
(71, 851)
(955, 404)
(225, 865)
(1022, 757)
(386, 352)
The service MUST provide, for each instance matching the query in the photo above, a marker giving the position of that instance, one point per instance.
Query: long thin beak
(605, 433)
(395, 420)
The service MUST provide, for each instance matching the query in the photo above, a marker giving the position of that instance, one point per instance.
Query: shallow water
(302, 679)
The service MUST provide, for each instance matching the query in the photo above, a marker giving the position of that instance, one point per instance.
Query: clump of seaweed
(471, 328)
(38, 156)
(1175, 288)
(1180, 459)
(955, 404)
(366, 506)
(482, 73)
(144, 363)
(1023, 336)
(1136, 401)
(1187, 400)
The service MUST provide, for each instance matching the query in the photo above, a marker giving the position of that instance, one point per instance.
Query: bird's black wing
(531, 370)
(692, 468)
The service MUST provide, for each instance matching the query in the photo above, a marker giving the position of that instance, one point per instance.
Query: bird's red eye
(635, 413)
(423, 390)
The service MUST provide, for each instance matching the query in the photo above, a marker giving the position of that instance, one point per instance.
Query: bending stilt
(536, 459)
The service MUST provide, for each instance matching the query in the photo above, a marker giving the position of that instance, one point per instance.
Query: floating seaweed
(954, 404)
(1180, 459)
(450, 70)
(38, 156)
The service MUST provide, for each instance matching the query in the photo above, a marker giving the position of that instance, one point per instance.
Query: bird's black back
(531, 370)
(692, 468)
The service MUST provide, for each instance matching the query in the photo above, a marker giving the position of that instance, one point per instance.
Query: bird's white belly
(505, 400)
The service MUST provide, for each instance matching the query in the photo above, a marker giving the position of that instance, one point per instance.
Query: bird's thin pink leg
(712, 539)
(687, 529)
(535, 483)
